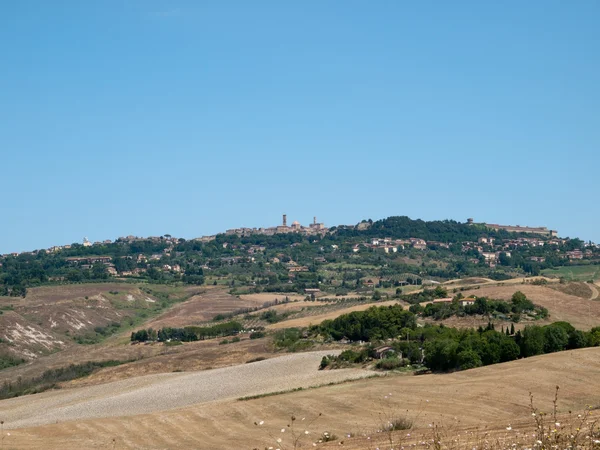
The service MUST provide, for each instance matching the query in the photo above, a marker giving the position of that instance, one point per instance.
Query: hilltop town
(294, 257)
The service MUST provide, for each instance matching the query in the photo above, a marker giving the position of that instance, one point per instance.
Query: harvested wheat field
(493, 397)
(201, 308)
(581, 313)
(146, 394)
(265, 297)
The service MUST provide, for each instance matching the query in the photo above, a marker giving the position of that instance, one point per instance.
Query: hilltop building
(314, 228)
(543, 231)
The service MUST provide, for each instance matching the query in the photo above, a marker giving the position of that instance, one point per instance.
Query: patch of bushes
(50, 378)
(390, 363)
(271, 316)
(259, 358)
(376, 323)
(8, 360)
(291, 340)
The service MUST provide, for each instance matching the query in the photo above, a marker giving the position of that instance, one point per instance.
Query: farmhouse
(575, 254)
(467, 301)
(383, 352)
(312, 291)
(443, 300)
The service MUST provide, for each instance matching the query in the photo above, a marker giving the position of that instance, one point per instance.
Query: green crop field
(575, 273)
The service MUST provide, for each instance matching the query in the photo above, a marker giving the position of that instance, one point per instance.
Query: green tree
(556, 339)
(509, 350)
(468, 359)
(533, 341)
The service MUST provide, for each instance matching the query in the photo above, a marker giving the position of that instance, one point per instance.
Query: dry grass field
(55, 294)
(487, 399)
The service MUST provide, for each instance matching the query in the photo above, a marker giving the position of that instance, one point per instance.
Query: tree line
(443, 348)
(512, 310)
(187, 334)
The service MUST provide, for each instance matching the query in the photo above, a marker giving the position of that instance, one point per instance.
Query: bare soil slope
(50, 319)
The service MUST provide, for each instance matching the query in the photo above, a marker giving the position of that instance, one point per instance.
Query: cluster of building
(463, 301)
(488, 247)
(313, 229)
(542, 231)
(392, 245)
(579, 254)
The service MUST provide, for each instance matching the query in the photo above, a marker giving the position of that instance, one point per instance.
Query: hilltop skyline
(187, 118)
(285, 226)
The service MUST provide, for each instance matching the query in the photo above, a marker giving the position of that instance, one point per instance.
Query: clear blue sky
(189, 117)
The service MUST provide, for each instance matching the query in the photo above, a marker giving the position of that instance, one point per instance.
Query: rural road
(594, 291)
(146, 394)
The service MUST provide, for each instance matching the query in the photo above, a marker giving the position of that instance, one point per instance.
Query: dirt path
(594, 291)
(152, 393)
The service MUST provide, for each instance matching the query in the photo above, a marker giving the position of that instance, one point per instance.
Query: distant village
(488, 248)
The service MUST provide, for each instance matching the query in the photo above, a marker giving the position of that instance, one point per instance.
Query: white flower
(306, 432)
(509, 428)
(262, 422)
(279, 440)
(283, 430)
(557, 424)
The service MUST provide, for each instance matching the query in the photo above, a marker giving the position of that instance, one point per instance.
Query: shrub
(259, 358)
(257, 335)
(400, 424)
(390, 364)
(7, 360)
